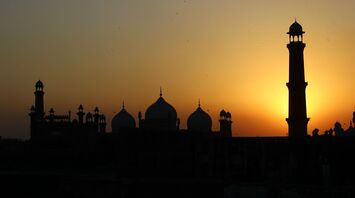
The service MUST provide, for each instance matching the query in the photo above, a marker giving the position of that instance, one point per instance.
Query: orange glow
(230, 54)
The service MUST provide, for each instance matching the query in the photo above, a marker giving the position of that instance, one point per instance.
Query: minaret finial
(123, 104)
(199, 103)
(161, 92)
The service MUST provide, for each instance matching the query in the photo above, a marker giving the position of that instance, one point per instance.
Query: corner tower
(297, 113)
(225, 123)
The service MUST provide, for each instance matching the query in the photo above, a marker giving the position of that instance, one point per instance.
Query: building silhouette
(159, 117)
(297, 113)
(44, 127)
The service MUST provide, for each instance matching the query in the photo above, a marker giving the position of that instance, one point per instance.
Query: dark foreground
(159, 165)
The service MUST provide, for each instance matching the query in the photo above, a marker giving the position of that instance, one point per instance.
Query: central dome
(161, 110)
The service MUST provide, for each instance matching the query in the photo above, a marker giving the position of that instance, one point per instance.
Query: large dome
(161, 110)
(122, 120)
(200, 121)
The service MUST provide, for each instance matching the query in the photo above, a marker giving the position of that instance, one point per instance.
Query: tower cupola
(295, 32)
(39, 85)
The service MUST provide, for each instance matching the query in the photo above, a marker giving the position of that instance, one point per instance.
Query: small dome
(122, 120)
(222, 113)
(295, 29)
(200, 121)
(39, 84)
(228, 115)
(161, 110)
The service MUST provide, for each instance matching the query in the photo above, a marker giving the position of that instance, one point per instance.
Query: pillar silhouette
(297, 112)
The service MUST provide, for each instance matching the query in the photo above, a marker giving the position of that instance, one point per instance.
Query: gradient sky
(230, 54)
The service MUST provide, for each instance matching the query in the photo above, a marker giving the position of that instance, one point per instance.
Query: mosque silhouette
(155, 158)
(160, 116)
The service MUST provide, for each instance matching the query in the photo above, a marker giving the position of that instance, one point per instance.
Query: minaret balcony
(297, 85)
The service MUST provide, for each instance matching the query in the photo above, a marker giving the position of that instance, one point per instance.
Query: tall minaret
(297, 113)
(39, 100)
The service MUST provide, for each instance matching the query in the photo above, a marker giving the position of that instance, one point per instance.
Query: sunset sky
(230, 54)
